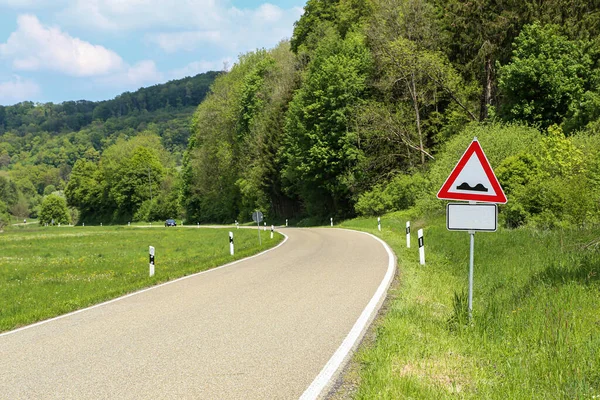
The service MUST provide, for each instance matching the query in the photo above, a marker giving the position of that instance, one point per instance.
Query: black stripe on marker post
(421, 241)
(151, 259)
(408, 230)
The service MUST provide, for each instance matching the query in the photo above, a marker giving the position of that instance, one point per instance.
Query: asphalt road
(260, 329)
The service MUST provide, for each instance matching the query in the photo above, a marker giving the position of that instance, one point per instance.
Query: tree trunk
(487, 89)
(417, 117)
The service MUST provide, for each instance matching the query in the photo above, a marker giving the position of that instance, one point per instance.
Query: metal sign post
(471, 256)
(472, 180)
(257, 217)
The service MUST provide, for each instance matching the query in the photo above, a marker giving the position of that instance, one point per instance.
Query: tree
(403, 38)
(546, 77)
(320, 147)
(4, 216)
(54, 210)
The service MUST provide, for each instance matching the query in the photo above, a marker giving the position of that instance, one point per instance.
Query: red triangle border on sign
(445, 194)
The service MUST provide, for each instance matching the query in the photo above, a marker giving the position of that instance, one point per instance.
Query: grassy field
(536, 327)
(45, 272)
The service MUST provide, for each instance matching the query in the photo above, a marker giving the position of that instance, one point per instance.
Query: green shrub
(399, 194)
(499, 142)
(54, 210)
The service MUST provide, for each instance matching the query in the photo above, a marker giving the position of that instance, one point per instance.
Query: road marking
(142, 291)
(326, 375)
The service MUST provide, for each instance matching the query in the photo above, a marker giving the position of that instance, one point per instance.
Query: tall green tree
(320, 147)
(546, 78)
(54, 210)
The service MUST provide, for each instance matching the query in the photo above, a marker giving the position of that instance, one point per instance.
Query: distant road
(260, 329)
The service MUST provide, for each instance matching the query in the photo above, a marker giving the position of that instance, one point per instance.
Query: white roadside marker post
(198, 224)
(151, 261)
(231, 243)
(129, 224)
(237, 224)
(272, 229)
(265, 227)
(331, 219)
(83, 224)
(100, 223)
(379, 223)
(408, 234)
(421, 247)
(286, 222)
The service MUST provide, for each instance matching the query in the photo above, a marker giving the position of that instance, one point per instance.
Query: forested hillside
(363, 111)
(42, 146)
(370, 103)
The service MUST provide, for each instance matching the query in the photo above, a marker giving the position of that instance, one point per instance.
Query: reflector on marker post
(151, 261)
(421, 247)
(408, 234)
(231, 243)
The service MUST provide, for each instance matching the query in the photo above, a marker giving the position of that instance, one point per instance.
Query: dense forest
(44, 147)
(368, 106)
(364, 110)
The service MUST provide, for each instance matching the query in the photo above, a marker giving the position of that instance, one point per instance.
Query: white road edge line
(143, 290)
(323, 380)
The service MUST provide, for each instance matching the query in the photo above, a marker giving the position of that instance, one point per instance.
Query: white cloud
(198, 67)
(239, 30)
(34, 47)
(30, 4)
(17, 90)
(143, 14)
(269, 13)
(144, 72)
(175, 41)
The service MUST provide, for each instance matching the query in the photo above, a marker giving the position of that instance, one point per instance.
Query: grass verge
(45, 272)
(536, 325)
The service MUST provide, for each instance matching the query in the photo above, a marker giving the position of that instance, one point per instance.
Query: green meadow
(535, 332)
(45, 272)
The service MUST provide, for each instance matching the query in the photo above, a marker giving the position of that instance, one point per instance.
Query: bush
(399, 194)
(54, 209)
(499, 142)
(4, 216)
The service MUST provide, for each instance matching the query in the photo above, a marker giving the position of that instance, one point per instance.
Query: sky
(60, 50)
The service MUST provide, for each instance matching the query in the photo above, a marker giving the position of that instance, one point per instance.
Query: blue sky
(58, 50)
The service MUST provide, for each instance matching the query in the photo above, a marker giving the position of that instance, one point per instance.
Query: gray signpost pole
(471, 256)
(258, 225)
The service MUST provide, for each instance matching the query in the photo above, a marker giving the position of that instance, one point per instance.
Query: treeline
(40, 144)
(29, 117)
(353, 114)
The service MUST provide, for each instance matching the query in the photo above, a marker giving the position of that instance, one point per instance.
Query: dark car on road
(170, 222)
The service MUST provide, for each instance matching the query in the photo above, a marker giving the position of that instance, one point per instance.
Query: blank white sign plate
(472, 217)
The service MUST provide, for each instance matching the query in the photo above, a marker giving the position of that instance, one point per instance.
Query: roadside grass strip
(46, 272)
(536, 316)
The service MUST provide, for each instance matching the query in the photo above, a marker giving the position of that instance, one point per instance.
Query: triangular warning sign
(473, 179)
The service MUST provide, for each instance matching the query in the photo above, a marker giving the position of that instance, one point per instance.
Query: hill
(41, 143)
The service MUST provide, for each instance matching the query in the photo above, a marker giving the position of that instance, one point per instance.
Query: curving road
(263, 328)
